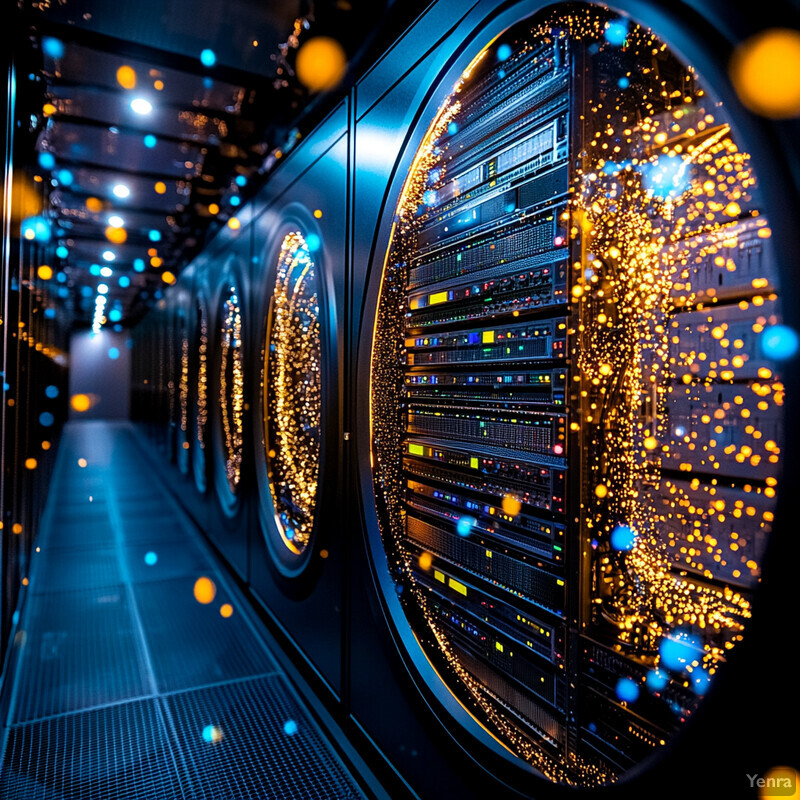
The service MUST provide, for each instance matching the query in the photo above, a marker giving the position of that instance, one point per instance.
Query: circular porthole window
(576, 401)
(199, 412)
(183, 443)
(292, 402)
(230, 399)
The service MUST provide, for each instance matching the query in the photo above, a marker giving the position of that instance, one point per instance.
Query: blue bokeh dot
(503, 52)
(623, 537)
(627, 690)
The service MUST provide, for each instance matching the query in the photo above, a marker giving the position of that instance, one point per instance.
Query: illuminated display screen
(576, 415)
(292, 391)
(231, 385)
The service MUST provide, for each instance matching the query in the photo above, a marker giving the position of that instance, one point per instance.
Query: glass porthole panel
(183, 393)
(576, 401)
(200, 409)
(231, 385)
(292, 393)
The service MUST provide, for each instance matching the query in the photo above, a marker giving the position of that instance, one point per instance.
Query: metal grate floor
(118, 752)
(121, 685)
(248, 723)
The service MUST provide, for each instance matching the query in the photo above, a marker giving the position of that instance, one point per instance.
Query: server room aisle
(131, 679)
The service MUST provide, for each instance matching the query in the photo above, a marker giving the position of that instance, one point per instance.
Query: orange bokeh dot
(168, 277)
(94, 204)
(234, 224)
(226, 609)
(321, 63)
(425, 560)
(160, 187)
(765, 71)
(30, 463)
(81, 402)
(45, 272)
(126, 77)
(511, 505)
(204, 590)
(116, 235)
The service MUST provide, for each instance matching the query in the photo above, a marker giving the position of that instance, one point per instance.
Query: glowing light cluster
(231, 386)
(292, 392)
(201, 403)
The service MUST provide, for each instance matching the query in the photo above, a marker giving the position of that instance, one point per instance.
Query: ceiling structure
(154, 120)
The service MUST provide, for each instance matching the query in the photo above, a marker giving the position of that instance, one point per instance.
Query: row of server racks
(484, 401)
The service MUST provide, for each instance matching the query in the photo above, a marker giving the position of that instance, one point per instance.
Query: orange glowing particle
(204, 590)
(601, 490)
(234, 224)
(213, 208)
(25, 581)
(81, 402)
(185, 445)
(16, 528)
(45, 272)
(650, 443)
(156, 262)
(321, 63)
(48, 109)
(323, 553)
(152, 252)
(160, 187)
(158, 85)
(45, 445)
(82, 463)
(94, 204)
(318, 213)
(116, 235)
(168, 277)
(126, 77)
(511, 505)
(733, 209)
(425, 560)
(765, 71)
(226, 610)
(30, 463)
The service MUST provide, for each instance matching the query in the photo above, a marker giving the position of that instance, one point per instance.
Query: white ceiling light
(115, 221)
(141, 106)
(121, 190)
